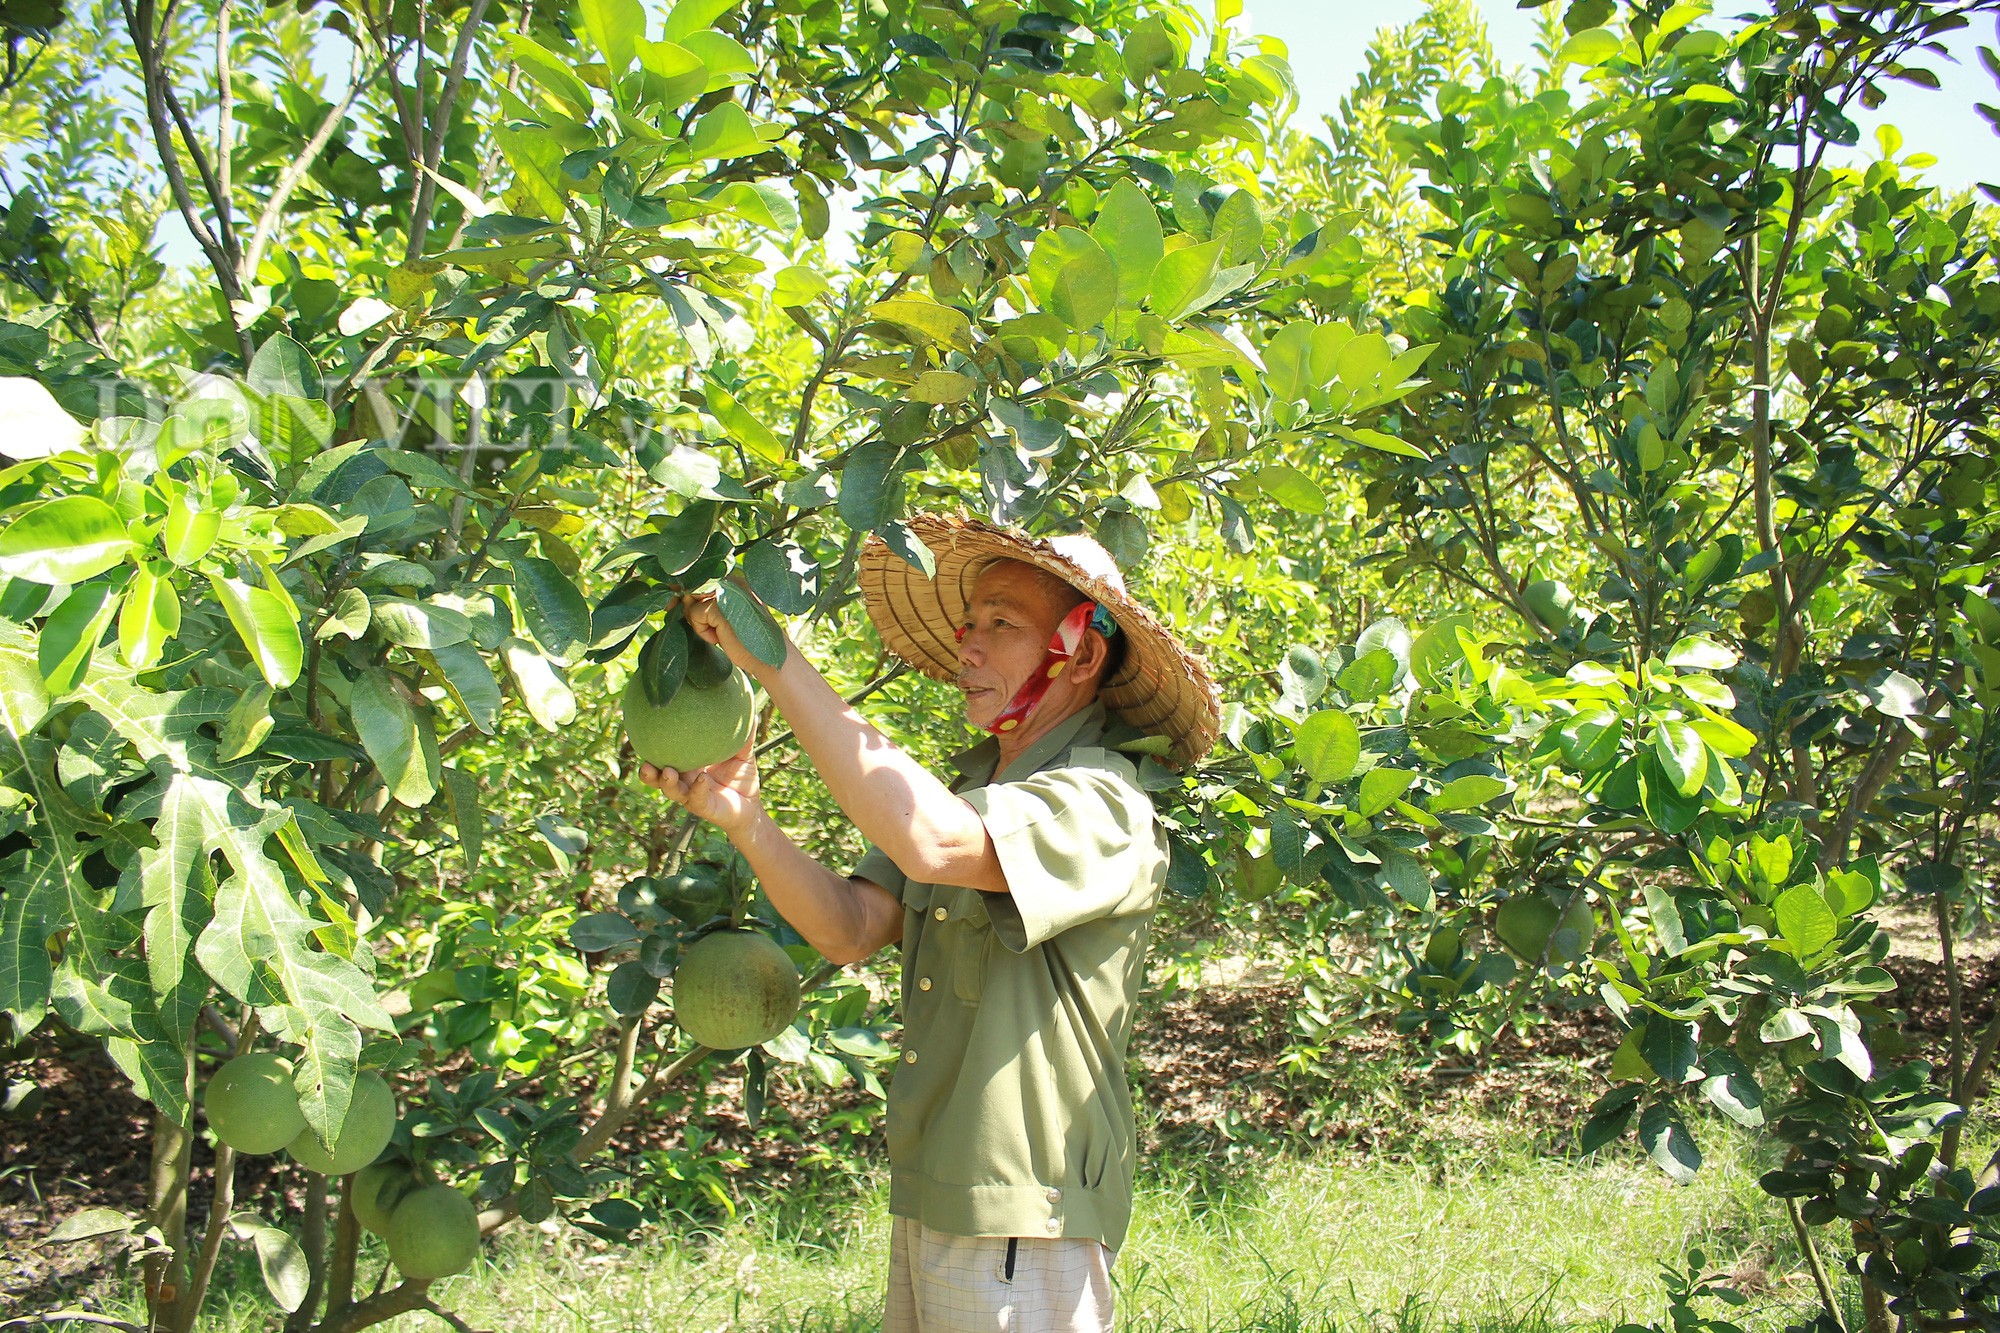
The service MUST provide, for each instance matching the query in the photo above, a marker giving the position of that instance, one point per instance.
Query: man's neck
(1048, 715)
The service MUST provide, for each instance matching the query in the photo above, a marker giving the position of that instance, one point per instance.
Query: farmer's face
(1015, 608)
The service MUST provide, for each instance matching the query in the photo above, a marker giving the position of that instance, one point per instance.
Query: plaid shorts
(995, 1284)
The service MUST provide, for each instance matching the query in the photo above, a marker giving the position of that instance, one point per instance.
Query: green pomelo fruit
(376, 1191)
(251, 1104)
(371, 1119)
(696, 728)
(433, 1233)
(1527, 922)
(1551, 602)
(734, 989)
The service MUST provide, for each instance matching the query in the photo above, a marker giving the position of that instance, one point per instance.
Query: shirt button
(1055, 1225)
(1055, 1196)
(940, 914)
(909, 1057)
(923, 983)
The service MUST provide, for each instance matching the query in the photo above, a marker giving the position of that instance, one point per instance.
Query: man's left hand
(725, 794)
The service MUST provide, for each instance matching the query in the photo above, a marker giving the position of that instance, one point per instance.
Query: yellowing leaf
(941, 386)
(927, 319)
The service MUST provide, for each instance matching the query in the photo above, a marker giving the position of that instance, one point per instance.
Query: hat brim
(1161, 687)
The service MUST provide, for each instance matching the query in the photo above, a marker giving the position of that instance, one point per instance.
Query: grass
(1497, 1240)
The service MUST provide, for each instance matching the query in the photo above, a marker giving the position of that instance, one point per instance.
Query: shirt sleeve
(876, 867)
(1077, 844)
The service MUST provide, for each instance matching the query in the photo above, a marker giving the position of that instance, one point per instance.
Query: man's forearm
(837, 917)
(899, 806)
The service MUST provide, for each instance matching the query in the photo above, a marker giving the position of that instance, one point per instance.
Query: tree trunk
(166, 1275)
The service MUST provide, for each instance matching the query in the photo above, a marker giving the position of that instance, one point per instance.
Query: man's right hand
(724, 794)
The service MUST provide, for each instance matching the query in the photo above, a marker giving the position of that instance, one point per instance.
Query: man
(1021, 895)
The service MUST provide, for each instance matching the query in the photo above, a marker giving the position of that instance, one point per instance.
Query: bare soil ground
(1206, 1062)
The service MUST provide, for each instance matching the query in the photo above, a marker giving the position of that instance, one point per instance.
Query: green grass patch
(1505, 1241)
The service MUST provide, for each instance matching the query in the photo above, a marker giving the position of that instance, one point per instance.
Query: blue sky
(1329, 39)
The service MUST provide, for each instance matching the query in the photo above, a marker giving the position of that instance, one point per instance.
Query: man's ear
(1092, 651)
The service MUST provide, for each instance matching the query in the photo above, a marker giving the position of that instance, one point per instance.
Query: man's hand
(705, 618)
(724, 794)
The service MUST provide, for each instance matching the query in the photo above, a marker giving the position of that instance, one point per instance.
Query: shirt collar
(978, 761)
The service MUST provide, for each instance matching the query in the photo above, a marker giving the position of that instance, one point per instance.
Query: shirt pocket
(968, 940)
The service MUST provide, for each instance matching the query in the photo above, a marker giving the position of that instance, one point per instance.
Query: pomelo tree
(337, 525)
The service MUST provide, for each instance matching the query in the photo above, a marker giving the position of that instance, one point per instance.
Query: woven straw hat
(1161, 687)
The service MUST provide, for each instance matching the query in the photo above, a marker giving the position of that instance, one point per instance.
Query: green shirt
(1009, 1113)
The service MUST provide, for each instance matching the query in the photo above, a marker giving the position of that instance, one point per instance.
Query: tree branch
(295, 172)
(420, 217)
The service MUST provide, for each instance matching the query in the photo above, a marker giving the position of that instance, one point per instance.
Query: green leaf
(1380, 788)
(462, 670)
(1895, 695)
(783, 575)
(396, 737)
(282, 366)
(868, 496)
(801, 286)
(543, 690)
(1469, 792)
(1592, 46)
(601, 931)
(941, 386)
(1590, 740)
(753, 624)
(1667, 1140)
(679, 75)
(1368, 675)
(259, 946)
(727, 60)
(1291, 488)
(280, 1259)
(190, 530)
(1701, 653)
(349, 615)
(1328, 746)
(761, 203)
(615, 27)
(743, 426)
(63, 541)
(1381, 440)
(1183, 276)
(267, 625)
(461, 791)
(1406, 876)
(1732, 1089)
(925, 318)
(409, 624)
(1805, 921)
(631, 989)
(249, 721)
(1239, 225)
(691, 16)
(24, 697)
(662, 663)
(72, 634)
(900, 538)
(151, 616)
(554, 611)
(1708, 92)
(1127, 226)
(1302, 676)
(1073, 278)
(1288, 370)
(1682, 756)
(725, 132)
(551, 73)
